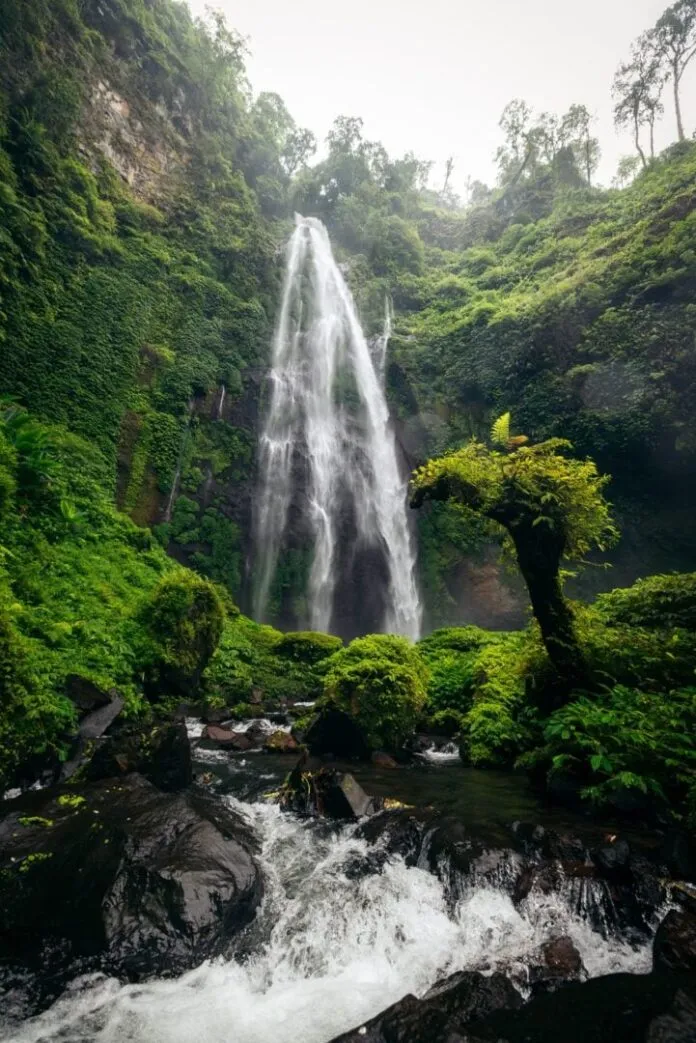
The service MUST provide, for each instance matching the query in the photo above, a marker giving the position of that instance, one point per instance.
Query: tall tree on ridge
(674, 40)
(637, 87)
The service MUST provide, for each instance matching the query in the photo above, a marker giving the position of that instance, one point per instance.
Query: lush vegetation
(144, 192)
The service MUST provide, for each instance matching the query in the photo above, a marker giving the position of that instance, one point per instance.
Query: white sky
(433, 77)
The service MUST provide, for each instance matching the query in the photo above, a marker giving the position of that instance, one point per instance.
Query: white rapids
(328, 421)
(330, 950)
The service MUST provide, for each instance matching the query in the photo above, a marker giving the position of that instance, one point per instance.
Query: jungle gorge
(400, 491)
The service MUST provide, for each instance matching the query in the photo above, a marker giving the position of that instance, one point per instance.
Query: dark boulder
(85, 694)
(674, 947)
(335, 733)
(326, 792)
(380, 759)
(678, 852)
(442, 1014)
(215, 737)
(159, 752)
(613, 859)
(617, 1008)
(558, 962)
(119, 877)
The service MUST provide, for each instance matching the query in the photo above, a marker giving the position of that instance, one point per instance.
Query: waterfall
(328, 430)
(221, 402)
(381, 344)
(167, 516)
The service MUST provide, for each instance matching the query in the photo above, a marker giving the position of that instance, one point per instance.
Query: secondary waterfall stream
(328, 435)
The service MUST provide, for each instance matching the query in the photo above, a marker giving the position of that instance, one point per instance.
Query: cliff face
(138, 269)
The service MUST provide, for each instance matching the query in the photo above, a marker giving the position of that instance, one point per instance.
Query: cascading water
(331, 947)
(328, 436)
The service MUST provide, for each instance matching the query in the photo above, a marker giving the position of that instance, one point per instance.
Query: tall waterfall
(328, 444)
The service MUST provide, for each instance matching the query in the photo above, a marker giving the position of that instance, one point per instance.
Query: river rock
(326, 792)
(613, 859)
(617, 1008)
(674, 947)
(160, 752)
(558, 962)
(216, 737)
(281, 742)
(380, 759)
(442, 1014)
(335, 733)
(119, 877)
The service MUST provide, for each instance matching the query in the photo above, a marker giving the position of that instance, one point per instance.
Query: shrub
(451, 681)
(658, 602)
(184, 617)
(384, 698)
(34, 719)
(626, 739)
(393, 649)
(308, 646)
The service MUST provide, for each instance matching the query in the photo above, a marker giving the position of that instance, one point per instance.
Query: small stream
(335, 942)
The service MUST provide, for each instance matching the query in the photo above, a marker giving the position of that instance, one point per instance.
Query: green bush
(184, 618)
(658, 602)
(627, 740)
(308, 647)
(34, 719)
(451, 681)
(383, 697)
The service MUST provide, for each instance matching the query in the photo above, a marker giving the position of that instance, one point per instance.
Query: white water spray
(321, 360)
(330, 949)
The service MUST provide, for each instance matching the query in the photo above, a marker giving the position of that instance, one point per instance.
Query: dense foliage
(144, 192)
(380, 681)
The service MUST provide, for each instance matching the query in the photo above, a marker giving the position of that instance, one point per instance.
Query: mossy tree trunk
(539, 554)
(539, 550)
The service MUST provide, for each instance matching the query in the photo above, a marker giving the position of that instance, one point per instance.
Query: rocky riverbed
(187, 905)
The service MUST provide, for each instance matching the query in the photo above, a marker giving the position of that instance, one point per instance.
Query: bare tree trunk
(636, 139)
(652, 136)
(677, 103)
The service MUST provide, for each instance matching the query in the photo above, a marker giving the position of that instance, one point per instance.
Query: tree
(300, 145)
(520, 141)
(552, 508)
(637, 87)
(674, 42)
(626, 171)
(575, 131)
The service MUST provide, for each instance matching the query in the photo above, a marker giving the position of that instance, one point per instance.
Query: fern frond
(500, 432)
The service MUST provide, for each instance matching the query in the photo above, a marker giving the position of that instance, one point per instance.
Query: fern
(500, 432)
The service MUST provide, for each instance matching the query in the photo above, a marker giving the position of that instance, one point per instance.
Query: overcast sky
(433, 76)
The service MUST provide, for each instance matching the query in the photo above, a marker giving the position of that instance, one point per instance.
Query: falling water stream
(328, 429)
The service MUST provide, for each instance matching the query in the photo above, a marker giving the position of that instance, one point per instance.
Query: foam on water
(331, 948)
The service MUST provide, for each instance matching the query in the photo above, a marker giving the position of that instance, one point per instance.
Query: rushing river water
(332, 946)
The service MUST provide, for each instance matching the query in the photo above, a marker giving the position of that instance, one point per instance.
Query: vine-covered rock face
(120, 877)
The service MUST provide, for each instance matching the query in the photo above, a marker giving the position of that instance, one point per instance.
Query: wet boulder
(617, 1008)
(326, 792)
(159, 752)
(215, 737)
(380, 759)
(334, 733)
(281, 742)
(119, 877)
(442, 1014)
(557, 962)
(674, 947)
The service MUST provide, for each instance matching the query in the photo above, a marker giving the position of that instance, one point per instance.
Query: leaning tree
(551, 506)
